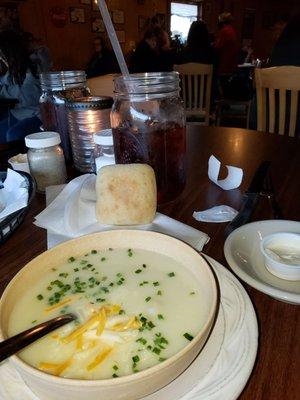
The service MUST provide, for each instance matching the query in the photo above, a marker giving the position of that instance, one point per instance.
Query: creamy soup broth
(135, 309)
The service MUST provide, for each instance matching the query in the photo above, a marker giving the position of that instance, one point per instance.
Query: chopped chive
(115, 367)
(192, 293)
(188, 336)
(138, 271)
(39, 297)
(94, 252)
(142, 340)
(155, 283)
(151, 325)
(136, 359)
(159, 293)
(76, 269)
(129, 252)
(171, 274)
(115, 375)
(63, 274)
(121, 312)
(103, 258)
(89, 265)
(83, 262)
(33, 322)
(71, 259)
(110, 249)
(100, 300)
(53, 269)
(147, 299)
(161, 359)
(144, 265)
(49, 288)
(156, 350)
(160, 316)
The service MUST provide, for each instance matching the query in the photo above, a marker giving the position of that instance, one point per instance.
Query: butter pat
(126, 194)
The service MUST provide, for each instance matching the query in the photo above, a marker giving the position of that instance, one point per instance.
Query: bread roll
(126, 194)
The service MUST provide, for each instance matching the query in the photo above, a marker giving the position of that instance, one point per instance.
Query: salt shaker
(104, 149)
(46, 159)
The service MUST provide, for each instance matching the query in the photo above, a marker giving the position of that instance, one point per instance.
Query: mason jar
(57, 88)
(148, 125)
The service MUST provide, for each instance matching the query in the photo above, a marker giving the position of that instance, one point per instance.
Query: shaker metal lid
(90, 102)
(41, 140)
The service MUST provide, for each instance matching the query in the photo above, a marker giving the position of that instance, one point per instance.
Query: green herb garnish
(71, 259)
(156, 350)
(94, 252)
(40, 297)
(160, 316)
(159, 293)
(147, 299)
(115, 375)
(171, 274)
(138, 271)
(130, 253)
(115, 367)
(188, 336)
(103, 258)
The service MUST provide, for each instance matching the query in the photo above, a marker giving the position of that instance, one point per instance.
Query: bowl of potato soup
(145, 304)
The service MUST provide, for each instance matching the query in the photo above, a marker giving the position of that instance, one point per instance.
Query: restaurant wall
(71, 46)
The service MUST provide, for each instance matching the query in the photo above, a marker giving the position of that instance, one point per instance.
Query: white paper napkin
(13, 195)
(72, 214)
(233, 179)
(216, 214)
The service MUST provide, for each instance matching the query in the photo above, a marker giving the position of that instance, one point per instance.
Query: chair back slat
(293, 113)
(271, 110)
(196, 88)
(281, 105)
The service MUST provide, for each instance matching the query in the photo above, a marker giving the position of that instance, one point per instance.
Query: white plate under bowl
(219, 372)
(243, 254)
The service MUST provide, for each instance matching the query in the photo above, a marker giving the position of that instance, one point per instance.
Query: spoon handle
(16, 343)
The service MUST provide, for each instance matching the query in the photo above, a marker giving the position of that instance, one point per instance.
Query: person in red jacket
(226, 45)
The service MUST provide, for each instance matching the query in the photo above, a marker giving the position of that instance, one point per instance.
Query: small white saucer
(243, 254)
(220, 371)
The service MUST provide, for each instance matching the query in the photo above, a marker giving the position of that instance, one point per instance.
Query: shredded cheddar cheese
(131, 324)
(102, 322)
(98, 359)
(56, 369)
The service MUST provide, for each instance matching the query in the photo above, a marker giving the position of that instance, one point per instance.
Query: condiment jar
(46, 159)
(85, 117)
(148, 125)
(104, 149)
(59, 87)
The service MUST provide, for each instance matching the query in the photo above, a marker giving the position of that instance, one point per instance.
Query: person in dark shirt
(153, 53)
(102, 62)
(198, 48)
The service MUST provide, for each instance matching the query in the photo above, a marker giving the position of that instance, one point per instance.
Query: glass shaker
(57, 88)
(104, 149)
(46, 159)
(148, 124)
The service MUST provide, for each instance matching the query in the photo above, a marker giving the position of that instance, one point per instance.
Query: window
(182, 15)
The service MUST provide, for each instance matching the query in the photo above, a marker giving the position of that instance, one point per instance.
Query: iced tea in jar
(148, 125)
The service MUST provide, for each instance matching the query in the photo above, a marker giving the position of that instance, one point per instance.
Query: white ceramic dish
(49, 387)
(219, 372)
(20, 163)
(243, 254)
(279, 250)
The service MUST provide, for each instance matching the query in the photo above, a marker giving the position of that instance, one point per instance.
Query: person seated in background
(18, 81)
(39, 54)
(153, 53)
(245, 55)
(103, 60)
(198, 48)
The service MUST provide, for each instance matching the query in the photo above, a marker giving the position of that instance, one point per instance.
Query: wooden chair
(196, 82)
(102, 85)
(277, 91)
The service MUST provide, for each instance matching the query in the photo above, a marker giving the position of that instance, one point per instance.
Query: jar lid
(41, 140)
(104, 137)
(90, 102)
(61, 80)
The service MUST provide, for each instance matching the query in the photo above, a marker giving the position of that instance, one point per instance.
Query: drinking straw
(113, 37)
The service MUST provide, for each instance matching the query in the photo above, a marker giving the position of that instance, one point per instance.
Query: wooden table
(276, 372)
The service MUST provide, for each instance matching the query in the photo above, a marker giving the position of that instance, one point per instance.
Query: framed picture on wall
(85, 1)
(77, 15)
(118, 17)
(97, 25)
(121, 36)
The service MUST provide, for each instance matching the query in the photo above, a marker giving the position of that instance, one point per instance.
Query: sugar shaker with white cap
(46, 159)
(104, 149)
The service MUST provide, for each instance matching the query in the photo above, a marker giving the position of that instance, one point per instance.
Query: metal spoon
(16, 343)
